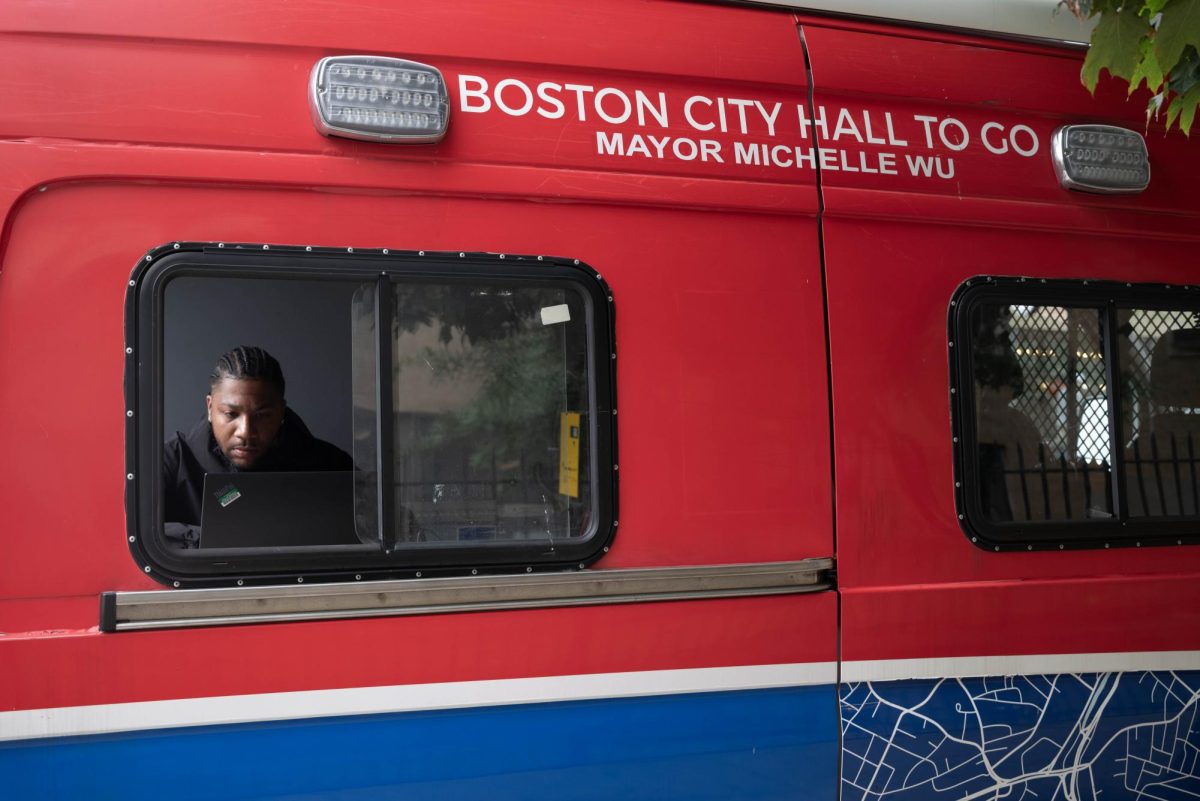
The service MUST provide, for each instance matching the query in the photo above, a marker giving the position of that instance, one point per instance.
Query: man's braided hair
(248, 362)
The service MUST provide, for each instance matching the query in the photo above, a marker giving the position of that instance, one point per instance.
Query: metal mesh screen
(1042, 412)
(1160, 377)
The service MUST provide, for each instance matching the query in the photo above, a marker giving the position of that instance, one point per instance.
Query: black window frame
(1106, 297)
(144, 376)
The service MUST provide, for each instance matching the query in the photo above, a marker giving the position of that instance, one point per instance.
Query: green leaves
(1180, 27)
(1147, 69)
(1151, 42)
(1116, 46)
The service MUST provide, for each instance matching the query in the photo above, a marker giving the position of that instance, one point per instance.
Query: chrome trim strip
(158, 609)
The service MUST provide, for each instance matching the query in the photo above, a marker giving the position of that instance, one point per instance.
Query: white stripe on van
(108, 718)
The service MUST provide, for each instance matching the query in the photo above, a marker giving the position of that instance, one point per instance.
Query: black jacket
(188, 457)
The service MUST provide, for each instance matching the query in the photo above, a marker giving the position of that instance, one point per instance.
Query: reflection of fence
(1160, 475)
(1162, 479)
(1048, 487)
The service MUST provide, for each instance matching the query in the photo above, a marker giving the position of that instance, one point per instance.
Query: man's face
(245, 415)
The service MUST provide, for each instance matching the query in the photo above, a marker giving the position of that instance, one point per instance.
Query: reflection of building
(476, 418)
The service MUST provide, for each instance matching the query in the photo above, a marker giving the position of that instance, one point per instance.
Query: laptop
(266, 510)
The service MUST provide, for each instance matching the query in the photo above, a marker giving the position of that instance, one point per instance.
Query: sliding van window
(1076, 413)
(302, 414)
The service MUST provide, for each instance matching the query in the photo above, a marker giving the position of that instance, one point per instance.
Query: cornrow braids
(248, 362)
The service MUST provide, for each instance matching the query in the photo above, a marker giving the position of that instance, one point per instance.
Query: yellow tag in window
(568, 454)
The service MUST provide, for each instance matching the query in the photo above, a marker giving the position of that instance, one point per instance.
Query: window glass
(491, 436)
(1076, 412)
(1041, 413)
(298, 413)
(1160, 375)
(256, 414)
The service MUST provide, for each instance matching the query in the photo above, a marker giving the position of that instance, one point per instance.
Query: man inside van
(248, 427)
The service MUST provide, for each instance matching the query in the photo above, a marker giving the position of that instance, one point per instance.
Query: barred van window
(1077, 413)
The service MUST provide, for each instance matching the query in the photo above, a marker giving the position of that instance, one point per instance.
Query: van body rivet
(385, 251)
(146, 568)
(240, 582)
(420, 253)
(529, 570)
(308, 249)
(129, 413)
(358, 577)
(133, 539)
(462, 255)
(129, 350)
(418, 574)
(474, 572)
(266, 247)
(581, 565)
(176, 246)
(129, 476)
(176, 583)
(299, 579)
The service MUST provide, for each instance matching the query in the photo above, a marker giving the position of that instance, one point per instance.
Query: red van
(315, 324)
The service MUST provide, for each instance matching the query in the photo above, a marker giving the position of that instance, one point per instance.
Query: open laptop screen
(260, 510)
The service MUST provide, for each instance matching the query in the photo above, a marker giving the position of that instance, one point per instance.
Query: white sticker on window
(556, 314)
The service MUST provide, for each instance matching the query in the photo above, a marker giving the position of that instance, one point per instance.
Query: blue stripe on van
(758, 744)
(1083, 736)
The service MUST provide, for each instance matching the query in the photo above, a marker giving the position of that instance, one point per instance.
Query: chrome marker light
(378, 99)
(1100, 158)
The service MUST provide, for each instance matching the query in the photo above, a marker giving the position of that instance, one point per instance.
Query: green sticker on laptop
(227, 495)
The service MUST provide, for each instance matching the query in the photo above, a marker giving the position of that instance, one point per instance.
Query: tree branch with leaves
(1150, 42)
